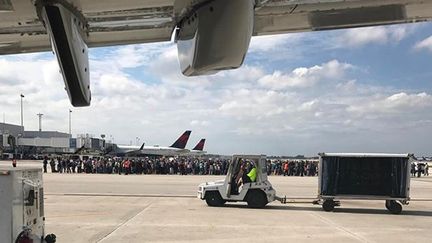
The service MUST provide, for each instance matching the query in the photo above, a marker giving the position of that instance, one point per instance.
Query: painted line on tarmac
(420, 200)
(124, 223)
(350, 233)
(119, 195)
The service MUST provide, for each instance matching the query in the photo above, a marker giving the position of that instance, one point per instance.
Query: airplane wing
(282, 16)
(112, 22)
(69, 27)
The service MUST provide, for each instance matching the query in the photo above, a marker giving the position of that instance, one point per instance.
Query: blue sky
(356, 90)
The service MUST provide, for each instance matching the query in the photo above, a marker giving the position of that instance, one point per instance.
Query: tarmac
(164, 208)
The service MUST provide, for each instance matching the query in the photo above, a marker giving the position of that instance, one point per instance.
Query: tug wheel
(256, 199)
(214, 199)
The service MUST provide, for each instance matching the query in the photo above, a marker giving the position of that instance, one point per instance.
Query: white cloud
(199, 123)
(399, 104)
(273, 42)
(254, 103)
(305, 77)
(424, 44)
(140, 91)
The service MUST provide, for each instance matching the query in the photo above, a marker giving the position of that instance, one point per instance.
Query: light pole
(22, 118)
(18, 145)
(40, 121)
(70, 122)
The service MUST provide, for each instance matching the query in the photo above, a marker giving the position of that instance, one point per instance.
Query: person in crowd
(285, 168)
(52, 165)
(420, 169)
(413, 169)
(45, 165)
(126, 166)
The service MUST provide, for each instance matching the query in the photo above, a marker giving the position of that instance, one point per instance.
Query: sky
(356, 90)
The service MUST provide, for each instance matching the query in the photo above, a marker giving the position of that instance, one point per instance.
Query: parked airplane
(177, 148)
(69, 27)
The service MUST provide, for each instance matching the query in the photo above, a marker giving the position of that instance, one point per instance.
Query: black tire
(328, 205)
(387, 204)
(214, 199)
(394, 207)
(256, 198)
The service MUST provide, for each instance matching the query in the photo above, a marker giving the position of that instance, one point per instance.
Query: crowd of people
(185, 166)
(127, 166)
(169, 166)
(293, 168)
(419, 168)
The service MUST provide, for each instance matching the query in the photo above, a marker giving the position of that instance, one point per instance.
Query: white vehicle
(257, 193)
(22, 206)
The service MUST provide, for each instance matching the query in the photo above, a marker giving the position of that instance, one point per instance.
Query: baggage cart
(364, 176)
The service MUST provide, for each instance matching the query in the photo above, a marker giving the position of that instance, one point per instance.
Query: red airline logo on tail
(182, 140)
(200, 145)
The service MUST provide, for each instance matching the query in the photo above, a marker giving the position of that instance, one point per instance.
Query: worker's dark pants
(246, 179)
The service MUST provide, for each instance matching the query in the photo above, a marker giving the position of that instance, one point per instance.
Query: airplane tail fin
(182, 140)
(142, 146)
(200, 145)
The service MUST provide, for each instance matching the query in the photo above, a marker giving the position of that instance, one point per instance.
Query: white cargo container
(21, 204)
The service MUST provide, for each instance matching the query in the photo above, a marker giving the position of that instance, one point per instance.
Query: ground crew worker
(249, 177)
(252, 175)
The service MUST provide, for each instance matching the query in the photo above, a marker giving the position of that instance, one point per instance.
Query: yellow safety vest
(252, 174)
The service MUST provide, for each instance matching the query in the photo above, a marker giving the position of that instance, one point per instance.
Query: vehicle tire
(328, 205)
(256, 198)
(214, 199)
(387, 204)
(395, 207)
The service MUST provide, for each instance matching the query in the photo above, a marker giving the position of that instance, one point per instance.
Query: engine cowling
(214, 36)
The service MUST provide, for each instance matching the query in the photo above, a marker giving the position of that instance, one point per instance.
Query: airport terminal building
(36, 142)
(14, 140)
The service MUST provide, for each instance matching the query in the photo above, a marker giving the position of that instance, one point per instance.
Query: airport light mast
(40, 121)
(70, 122)
(22, 118)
